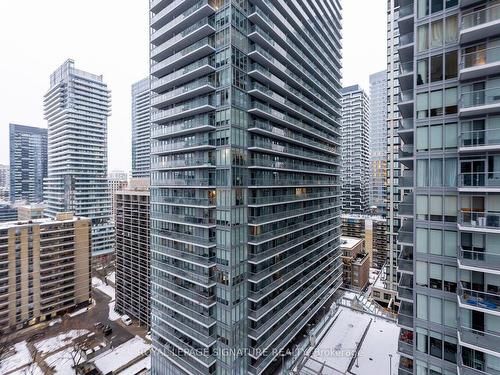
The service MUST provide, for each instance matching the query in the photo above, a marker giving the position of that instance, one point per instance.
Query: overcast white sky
(110, 37)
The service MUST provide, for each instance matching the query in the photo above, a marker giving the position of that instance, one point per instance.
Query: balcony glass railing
(206, 81)
(480, 17)
(485, 137)
(483, 258)
(405, 96)
(480, 98)
(406, 151)
(480, 179)
(489, 220)
(480, 57)
(406, 39)
(485, 300)
(406, 124)
(483, 338)
(406, 68)
(406, 10)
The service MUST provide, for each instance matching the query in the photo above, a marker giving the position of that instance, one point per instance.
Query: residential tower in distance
(77, 106)
(355, 150)
(141, 129)
(28, 162)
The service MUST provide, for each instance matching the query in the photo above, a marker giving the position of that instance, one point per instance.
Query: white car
(126, 320)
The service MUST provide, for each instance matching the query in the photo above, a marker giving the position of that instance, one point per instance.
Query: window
(422, 138)
(450, 208)
(435, 310)
(436, 34)
(437, 68)
(422, 105)
(422, 207)
(422, 339)
(450, 313)
(450, 279)
(451, 101)
(436, 344)
(436, 138)
(436, 207)
(450, 243)
(422, 306)
(450, 349)
(451, 65)
(423, 38)
(422, 71)
(435, 276)
(436, 173)
(423, 8)
(422, 175)
(422, 276)
(436, 242)
(422, 240)
(436, 6)
(450, 136)
(451, 29)
(436, 103)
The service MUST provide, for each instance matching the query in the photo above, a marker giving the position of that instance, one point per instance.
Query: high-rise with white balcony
(449, 264)
(141, 128)
(77, 106)
(355, 150)
(245, 179)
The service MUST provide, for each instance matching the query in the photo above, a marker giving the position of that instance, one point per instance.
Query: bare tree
(5, 346)
(76, 356)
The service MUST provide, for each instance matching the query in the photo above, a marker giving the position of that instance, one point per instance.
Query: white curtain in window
(450, 97)
(451, 29)
(492, 323)
(450, 172)
(436, 99)
(422, 207)
(436, 173)
(493, 243)
(450, 313)
(423, 39)
(422, 175)
(437, 34)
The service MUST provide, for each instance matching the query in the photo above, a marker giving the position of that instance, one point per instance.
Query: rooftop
(352, 332)
(349, 242)
(63, 217)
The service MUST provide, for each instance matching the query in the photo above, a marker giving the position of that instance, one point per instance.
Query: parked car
(107, 330)
(126, 320)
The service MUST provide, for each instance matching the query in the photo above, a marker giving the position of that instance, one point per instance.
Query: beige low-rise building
(44, 269)
(356, 263)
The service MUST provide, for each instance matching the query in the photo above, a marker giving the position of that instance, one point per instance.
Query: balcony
(405, 75)
(405, 125)
(405, 366)
(184, 57)
(405, 342)
(406, 43)
(480, 140)
(479, 339)
(405, 315)
(405, 103)
(202, 8)
(479, 181)
(406, 152)
(487, 302)
(406, 206)
(477, 259)
(195, 88)
(191, 108)
(196, 124)
(480, 102)
(406, 18)
(405, 233)
(480, 63)
(405, 260)
(202, 28)
(405, 288)
(406, 181)
(480, 24)
(484, 222)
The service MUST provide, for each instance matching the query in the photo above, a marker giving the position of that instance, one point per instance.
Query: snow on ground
(21, 357)
(113, 315)
(58, 342)
(380, 341)
(112, 360)
(143, 364)
(29, 370)
(337, 347)
(106, 289)
(62, 361)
